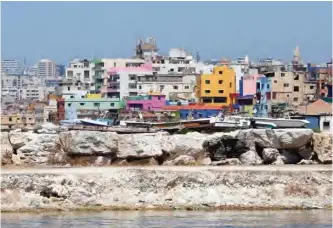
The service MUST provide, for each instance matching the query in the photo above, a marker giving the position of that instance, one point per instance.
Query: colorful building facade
(218, 87)
(145, 102)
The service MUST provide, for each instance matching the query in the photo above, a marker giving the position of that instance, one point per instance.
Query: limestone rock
(305, 152)
(276, 138)
(278, 161)
(100, 161)
(89, 142)
(140, 145)
(306, 162)
(6, 149)
(290, 157)
(48, 128)
(40, 149)
(18, 138)
(228, 161)
(204, 161)
(250, 158)
(322, 146)
(187, 144)
(182, 160)
(269, 155)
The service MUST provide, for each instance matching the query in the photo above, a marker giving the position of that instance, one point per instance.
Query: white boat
(283, 122)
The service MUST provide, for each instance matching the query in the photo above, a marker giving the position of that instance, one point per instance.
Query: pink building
(145, 102)
(249, 84)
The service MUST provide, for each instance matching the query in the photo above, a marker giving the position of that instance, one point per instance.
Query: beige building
(292, 88)
(18, 120)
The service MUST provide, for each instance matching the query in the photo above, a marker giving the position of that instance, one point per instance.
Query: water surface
(179, 219)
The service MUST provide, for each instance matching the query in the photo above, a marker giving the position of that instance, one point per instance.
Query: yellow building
(218, 87)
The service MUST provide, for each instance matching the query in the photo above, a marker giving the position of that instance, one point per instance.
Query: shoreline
(171, 188)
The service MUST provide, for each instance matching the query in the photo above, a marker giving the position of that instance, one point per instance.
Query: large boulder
(85, 143)
(6, 149)
(48, 128)
(269, 155)
(136, 146)
(40, 150)
(17, 138)
(189, 144)
(277, 138)
(290, 156)
(250, 158)
(322, 146)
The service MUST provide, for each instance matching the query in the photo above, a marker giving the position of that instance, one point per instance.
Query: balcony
(113, 89)
(113, 83)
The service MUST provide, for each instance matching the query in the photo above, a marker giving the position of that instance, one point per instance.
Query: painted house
(145, 102)
(263, 96)
(319, 114)
(198, 111)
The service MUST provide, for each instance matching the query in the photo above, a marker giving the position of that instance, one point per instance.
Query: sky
(65, 30)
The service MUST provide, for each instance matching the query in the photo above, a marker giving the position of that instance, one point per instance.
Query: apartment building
(33, 93)
(46, 69)
(218, 87)
(18, 120)
(71, 88)
(80, 70)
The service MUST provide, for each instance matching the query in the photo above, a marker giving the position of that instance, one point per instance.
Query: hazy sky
(64, 30)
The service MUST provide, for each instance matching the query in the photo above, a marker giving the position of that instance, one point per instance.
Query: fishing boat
(283, 122)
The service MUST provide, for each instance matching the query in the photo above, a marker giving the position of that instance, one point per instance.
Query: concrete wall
(326, 128)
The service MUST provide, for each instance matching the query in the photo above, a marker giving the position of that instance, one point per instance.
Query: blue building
(263, 96)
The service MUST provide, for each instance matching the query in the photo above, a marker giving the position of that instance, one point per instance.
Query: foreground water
(231, 219)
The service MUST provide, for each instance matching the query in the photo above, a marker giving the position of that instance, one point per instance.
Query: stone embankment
(165, 187)
(49, 146)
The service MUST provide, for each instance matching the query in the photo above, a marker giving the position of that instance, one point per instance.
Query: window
(96, 104)
(140, 87)
(69, 105)
(207, 100)
(175, 87)
(159, 98)
(230, 84)
(82, 96)
(220, 82)
(69, 88)
(187, 87)
(207, 81)
(286, 85)
(282, 74)
(267, 86)
(296, 88)
(274, 95)
(81, 104)
(295, 98)
(72, 96)
(311, 87)
(287, 95)
(220, 72)
(112, 104)
(207, 91)
(78, 88)
(161, 87)
(220, 99)
(221, 91)
(296, 78)
(10, 119)
(132, 77)
(326, 125)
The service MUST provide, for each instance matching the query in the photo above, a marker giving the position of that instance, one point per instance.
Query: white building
(33, 93)
(11, 66)
(73, 89)
(241, 68)
(173, 86)
(80, 70)
(46, 69)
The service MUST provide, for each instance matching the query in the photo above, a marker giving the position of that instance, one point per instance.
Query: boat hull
(284, 123)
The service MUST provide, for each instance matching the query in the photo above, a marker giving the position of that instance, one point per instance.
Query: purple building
(145, 102)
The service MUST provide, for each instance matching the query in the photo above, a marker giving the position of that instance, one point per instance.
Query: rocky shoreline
(166, 188)
(48, 146)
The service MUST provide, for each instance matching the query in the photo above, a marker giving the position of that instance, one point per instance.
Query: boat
(283, 122)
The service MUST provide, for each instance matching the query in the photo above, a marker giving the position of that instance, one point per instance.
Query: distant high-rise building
(46, 69)
(11, 66)
(60, 70)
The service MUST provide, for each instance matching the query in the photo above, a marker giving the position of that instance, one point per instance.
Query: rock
(204, 161)
(276, 138)
(269, 155)
(89, 143)
(16, 159)
(306, 162)
(100, 161)
(322, 146)
(40, 150)
(228, 161)
(250, 158)
(181, 160)
(290, 157)
(305, 152)
(6, 149)
(278, 161)
(188, 144)
(18, 138)
(48, 128)
(140, 145)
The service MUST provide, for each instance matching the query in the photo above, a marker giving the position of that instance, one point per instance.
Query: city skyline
(258, 29)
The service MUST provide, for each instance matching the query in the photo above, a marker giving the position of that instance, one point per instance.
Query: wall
(314, 122)
(249, 84)
(92, 104)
